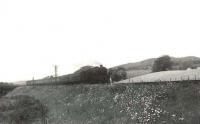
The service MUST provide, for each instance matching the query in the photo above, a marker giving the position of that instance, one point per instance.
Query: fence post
(188, 77)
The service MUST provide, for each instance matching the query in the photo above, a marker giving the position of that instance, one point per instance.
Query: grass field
(135, 73)
(166, 76)
(168, 103)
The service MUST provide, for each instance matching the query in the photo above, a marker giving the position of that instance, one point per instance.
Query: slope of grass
(118, 104)
(166, 76)
(21, 109)
(135, 73)
(145, 66)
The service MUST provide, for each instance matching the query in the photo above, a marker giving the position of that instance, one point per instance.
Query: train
(85, 75)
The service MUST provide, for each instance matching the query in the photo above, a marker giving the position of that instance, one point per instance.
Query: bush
(118, 74)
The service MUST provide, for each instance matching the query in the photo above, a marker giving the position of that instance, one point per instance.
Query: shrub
(118, 74)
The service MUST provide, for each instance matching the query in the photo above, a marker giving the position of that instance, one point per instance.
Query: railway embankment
(121, 103)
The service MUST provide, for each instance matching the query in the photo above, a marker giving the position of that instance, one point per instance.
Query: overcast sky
(37, 34)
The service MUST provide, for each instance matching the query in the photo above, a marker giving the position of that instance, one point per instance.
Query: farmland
(178, 75)
(135, 73)
(144, 67)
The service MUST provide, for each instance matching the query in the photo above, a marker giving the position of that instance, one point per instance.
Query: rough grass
(5, 88)
(167, 103)
(166, 76)
(21, 109)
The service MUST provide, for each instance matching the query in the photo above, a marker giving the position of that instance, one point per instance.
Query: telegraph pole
(56, 69)
(56, 73)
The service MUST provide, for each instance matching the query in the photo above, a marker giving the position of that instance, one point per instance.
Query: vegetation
(21, 110)
(187, 64)
(173, 75)
(146, 66)
(162, 63)
(5, 88)
(117, 74)
(135, 73)
(167, 103)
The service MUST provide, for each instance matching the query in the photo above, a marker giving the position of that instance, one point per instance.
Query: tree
(117, 74)
(162, 63)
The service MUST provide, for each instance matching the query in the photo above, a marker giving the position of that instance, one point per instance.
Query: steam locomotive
(85, 75)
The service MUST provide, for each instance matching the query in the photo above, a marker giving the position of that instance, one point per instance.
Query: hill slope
(177, 75)
(117, 104)
(148, 63)
(145, 66)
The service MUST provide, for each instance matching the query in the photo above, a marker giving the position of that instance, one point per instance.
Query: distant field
(166, 76)
(135, 73)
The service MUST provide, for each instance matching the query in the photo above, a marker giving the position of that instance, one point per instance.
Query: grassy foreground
(21, 109)
(167, 103)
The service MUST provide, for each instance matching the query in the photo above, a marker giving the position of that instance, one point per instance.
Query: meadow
(176, 75)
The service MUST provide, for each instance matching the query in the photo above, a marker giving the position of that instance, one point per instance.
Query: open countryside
(100, 95)
(179, 75)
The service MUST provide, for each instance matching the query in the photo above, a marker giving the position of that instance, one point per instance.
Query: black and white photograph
(99, 62)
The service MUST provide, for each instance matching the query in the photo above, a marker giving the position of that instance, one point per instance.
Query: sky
(35, 35)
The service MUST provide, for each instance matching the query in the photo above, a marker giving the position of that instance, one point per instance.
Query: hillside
(116, 104)
(148, 63)
(176, 75)
(145, 66)
(142, 65)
